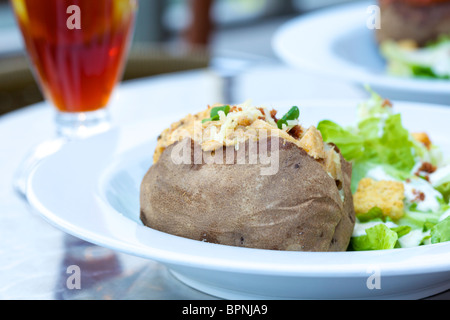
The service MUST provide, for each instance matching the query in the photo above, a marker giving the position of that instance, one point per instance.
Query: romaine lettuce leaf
(376, 140)
(445, 190)
(423, 220)
(432, 155)
(395, 146)
(441, 231)
(379, 237)
(373, 214)
(351, 145)
(440, 180)
(374, 107)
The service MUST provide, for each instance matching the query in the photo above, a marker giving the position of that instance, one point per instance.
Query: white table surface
(34, 255)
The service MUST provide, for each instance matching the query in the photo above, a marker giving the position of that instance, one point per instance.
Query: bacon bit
(235, 109)
(296, 132)
(425, 170)
(386, 103)
(244, 122)
(420, 196)
(263, 117)
(427, 167)
(273, 114)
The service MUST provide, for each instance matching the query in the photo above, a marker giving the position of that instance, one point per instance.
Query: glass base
(83, 124)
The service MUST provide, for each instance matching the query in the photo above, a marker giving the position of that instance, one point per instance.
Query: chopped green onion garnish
(215, 118)
(215, 113)
(292, 114)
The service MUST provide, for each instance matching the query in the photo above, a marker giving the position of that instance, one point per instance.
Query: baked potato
(209, 181)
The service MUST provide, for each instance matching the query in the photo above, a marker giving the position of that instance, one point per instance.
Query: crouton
(423, 138)
(386, 195)
(312, 142)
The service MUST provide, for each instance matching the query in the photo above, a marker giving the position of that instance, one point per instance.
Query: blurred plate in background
(337, 43)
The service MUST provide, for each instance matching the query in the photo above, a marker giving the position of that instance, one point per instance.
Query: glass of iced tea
(77, 50)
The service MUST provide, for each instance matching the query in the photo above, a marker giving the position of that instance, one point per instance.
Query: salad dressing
(429, 202)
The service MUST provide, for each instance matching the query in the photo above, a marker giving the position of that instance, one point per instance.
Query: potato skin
(297, 209)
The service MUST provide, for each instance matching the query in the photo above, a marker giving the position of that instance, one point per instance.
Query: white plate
(90, 189)
(336, 42)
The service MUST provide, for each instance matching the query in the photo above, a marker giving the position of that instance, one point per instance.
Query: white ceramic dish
(337, 43)
(90, 189)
